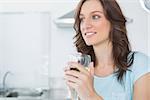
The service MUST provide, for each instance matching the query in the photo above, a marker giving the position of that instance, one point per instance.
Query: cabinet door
(24, 47)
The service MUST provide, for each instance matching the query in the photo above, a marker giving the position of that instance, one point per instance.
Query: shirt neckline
(104, 77)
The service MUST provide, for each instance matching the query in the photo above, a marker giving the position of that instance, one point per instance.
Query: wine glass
(84, 60)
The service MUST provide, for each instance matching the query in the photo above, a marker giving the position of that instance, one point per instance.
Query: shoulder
(140, 60)
(140, 66)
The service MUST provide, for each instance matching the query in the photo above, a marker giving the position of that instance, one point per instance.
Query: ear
(91, 68)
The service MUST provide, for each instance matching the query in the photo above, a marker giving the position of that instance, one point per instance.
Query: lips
(90, 33)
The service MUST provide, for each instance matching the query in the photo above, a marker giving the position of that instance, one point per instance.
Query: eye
(95, 17)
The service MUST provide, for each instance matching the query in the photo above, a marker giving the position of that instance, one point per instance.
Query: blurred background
(36, 37)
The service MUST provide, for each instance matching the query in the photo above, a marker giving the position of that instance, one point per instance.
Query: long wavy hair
(117, 35)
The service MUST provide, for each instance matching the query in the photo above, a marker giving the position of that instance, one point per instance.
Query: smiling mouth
(90, 33)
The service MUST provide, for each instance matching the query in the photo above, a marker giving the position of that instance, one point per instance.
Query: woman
(116, 72)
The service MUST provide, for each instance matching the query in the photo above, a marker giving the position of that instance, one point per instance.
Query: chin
(90, 43)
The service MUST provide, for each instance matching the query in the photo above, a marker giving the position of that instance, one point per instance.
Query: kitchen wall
(60, 43)
(138, 29)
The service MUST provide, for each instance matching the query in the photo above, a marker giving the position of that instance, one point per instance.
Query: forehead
(90, 6)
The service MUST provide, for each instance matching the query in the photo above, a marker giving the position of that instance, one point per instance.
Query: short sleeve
(141, 65)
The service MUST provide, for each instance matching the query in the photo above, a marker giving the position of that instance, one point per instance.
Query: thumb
(91, 68)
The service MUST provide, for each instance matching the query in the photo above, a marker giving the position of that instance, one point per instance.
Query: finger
(91, 68)
(71, 78)
(78, 66)
(75, 74)
(71, 84)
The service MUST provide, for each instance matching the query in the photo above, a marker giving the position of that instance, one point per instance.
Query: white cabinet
(24, 43)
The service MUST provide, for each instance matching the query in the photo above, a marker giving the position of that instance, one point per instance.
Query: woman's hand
(82, 80)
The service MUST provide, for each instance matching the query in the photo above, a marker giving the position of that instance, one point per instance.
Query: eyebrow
(92, 12)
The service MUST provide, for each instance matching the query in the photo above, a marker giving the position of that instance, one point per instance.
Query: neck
(103, 54)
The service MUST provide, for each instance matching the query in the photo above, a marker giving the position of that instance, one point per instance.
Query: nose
(86, 24)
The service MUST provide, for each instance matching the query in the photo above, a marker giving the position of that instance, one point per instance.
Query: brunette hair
(118, 36)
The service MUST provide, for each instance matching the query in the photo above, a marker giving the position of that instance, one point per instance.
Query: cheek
(82, 31)
(81, 28)
(104, 28)
(84, 38)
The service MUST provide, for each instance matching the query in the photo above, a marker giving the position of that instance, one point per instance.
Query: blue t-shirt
(110, 89)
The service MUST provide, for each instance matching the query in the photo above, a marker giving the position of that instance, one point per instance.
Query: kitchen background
(36, 39)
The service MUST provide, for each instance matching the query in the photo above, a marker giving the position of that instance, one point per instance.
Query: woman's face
(94, 25)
